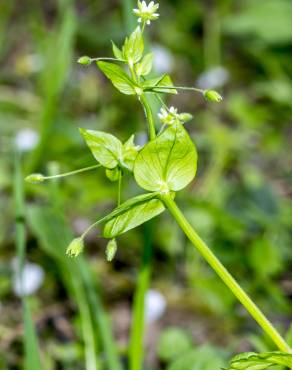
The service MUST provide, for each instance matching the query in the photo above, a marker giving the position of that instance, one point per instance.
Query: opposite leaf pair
(164, 165)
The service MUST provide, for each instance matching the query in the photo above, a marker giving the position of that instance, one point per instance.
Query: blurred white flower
(163, 61)
(155, 305)
(26, 139)
(213, 78)
(146, 13)
(30, 279)
(29, 63)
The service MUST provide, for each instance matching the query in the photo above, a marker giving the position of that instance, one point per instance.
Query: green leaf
(156, 84)
(143, 68)
(174, 338)
(106, 148)
(130, 152)
(205, 357)
(132, 213)
(118, 77)
(260, 361)
(133, 47)
(117, 52)
(167, 163)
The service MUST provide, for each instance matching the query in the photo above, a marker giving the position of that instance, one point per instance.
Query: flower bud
(111, 250)
(212, 95)
(85, 60)
(34, 178)
(75, 247)
(112, 175)
(185, 117)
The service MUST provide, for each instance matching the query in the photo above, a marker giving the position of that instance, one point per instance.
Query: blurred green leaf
(176, 339)
(269, 20)
(205, 357)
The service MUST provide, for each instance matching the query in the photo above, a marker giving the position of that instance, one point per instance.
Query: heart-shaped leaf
(260, 361)
(167, 163)
(132, 213)
(118, 77)
(106, 148)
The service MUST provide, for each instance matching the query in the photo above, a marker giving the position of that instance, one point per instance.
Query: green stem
(136, 346)
(137, 330)
(120, 186)
(107, 58)
(231, 283)
(149, 116)
(72, 172)
(188, 88)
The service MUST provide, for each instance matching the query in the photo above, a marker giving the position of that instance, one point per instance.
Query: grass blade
(31, 351)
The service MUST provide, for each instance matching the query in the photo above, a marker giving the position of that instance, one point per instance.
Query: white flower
(146, 13)
(163, 60)
(26, 139)
(155, 306)
(213, 78)
(29, 280)
(168, 117)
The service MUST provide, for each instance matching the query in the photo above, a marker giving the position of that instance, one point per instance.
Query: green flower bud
(85, 60)
(34, 178)
(75, 247)
(111, 250)
(212, 95)
(112, 175)
(185, 117)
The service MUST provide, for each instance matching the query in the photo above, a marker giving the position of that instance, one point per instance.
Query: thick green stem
(136, 350)
(231, 283)
(149, 116)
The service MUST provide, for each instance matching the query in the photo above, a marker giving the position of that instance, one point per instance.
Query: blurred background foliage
(240, 202)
